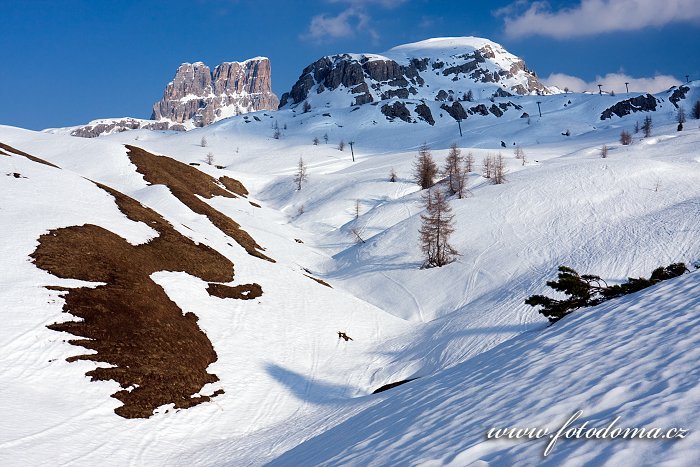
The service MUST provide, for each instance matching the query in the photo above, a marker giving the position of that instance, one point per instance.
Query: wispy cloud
(352, 21)
(612, 82)
(427, 22)
(530, 18)
(347, 23)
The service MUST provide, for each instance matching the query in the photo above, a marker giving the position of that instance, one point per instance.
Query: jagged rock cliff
(443, 69)
(197, 96)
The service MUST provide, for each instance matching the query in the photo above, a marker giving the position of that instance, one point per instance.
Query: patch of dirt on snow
(186, 183)
(240, 292)
(234, 185)
(320, 281)
(157, 352)
(28, 156)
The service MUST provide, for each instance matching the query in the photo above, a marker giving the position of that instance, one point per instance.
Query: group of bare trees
(456, 171)
(437, 222)
(625, 138)
(494, 168)
(646, 127)
(316, 141)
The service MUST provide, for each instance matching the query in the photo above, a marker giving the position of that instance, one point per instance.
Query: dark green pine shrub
(581, 290)
(588, 290)
(636, 284)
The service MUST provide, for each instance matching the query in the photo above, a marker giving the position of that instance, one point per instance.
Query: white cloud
(526, 18)
(346, 24)
(612, 82)
(352, 21)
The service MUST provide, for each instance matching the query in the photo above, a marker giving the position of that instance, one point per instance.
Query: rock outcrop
(678, 94)
(198, 96)
(397, 110)
(645, 103)
(109, 126)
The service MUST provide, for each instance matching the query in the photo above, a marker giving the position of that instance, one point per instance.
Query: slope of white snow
(634, 358)
(463, 328)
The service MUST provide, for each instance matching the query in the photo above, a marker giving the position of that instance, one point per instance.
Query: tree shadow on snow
(308, 389)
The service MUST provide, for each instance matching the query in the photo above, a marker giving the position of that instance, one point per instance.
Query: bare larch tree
(488, 166)
(437, 224)
(300, 175)
(647, 126)
(424, 168)
(469, 162)
(453, 168)
(499, 170)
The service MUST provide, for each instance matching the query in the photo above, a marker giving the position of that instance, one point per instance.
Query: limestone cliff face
(198, 96)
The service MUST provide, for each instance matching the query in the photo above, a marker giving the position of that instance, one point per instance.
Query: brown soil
(240, 292)
(157, 354)
(255, 205)
(320, 281)
(234, 185)
(28, 156)
(130, 322)
(186, 183)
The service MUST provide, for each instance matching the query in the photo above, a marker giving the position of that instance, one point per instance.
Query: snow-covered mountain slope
(284, 338)
(442, 69)
(285, 374)
(634, 358)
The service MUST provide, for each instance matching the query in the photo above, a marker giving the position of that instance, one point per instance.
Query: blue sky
(67, 62)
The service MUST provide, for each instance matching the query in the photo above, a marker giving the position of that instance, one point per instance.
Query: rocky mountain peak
(198, 96)
(442, 69)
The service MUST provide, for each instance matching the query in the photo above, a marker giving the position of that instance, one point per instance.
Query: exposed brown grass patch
(234, 185)
(28, 156)
(320, 281)
(160, 356)
(185, 183)
(130, 322)
(240, 292)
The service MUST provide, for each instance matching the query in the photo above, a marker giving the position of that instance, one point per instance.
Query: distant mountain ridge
(422, 82)
(198, 96)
